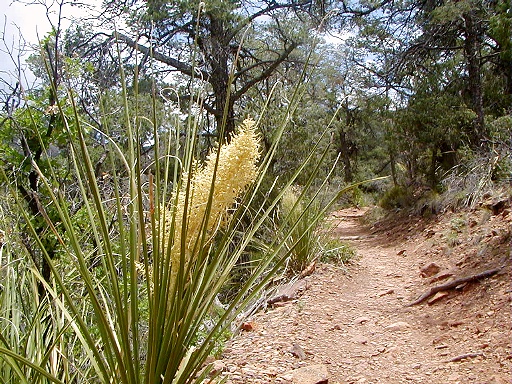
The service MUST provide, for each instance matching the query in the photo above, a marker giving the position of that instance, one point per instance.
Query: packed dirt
(355, 325)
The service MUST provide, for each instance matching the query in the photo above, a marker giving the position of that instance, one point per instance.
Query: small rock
(438, 296)
(361, 320)
(430, 270)
(355, 379)
(312, 374)
(232, 368)
(393, 350)
(248, 326)
(250, 371)
(398, 326)
(286, 377)
(499, 206)
(218, 366)
(297, 351)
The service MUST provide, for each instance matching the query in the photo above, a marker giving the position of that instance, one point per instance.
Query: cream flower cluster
(236, 170)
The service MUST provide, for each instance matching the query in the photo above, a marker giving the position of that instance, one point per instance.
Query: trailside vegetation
(173, 157)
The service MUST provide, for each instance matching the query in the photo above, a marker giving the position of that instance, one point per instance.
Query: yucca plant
(303, 242)
(165, 250)
(30, 325)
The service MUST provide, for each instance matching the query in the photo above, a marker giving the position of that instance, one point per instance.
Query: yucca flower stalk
(222, 180)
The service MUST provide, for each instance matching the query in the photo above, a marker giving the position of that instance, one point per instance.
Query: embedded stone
(430, 270)
(312, 374)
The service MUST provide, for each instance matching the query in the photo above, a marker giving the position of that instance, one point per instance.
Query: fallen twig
(349, 238)
(464, 356)
(288, 292)
(452, 284)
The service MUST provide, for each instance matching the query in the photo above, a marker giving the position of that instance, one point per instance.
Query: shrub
(300, 223)
(478, 174)
(397, 197)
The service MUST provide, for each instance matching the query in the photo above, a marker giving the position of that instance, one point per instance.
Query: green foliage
(433, 114)
(358, 198)
(396, 198)
(430, 203)
(30, 326)
(457, 224)
(453, 233)
(499, 130)
(301, 224)
(451, 11)
(453, 239)
(500, 28)
(477, 175)
(337, 252)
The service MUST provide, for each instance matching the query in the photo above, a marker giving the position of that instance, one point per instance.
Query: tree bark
(216, 47)
(472, 52)
(345, 151)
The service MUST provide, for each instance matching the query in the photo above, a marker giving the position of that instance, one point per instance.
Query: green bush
(397, 197)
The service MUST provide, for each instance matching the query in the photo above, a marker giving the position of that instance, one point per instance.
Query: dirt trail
(358, 326)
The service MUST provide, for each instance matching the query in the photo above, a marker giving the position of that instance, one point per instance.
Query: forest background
(120, 262)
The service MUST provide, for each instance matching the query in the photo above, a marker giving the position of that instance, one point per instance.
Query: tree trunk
(218, 58)
(472, 52)
(345, 151)
(393, 168)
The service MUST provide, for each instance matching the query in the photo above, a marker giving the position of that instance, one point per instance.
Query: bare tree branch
(184, 68)
(266, 73)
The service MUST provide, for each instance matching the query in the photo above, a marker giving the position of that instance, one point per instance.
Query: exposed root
(454, 283)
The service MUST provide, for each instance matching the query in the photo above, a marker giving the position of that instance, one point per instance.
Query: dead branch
(454, 283)
(288, 292)
(464, 356)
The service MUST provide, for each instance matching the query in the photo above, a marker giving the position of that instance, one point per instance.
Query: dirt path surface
(353, 326)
